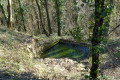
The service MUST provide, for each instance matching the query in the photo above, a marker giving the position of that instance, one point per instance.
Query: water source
(62, 50)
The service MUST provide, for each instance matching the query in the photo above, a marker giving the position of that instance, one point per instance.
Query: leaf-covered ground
(16, 64)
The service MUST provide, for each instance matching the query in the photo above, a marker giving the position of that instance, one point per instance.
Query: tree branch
(114, 29)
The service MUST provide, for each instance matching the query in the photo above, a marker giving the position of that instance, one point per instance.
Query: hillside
(16, 63)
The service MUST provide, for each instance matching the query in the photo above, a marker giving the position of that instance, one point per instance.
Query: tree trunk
(111, 2)
(41, 21)
(75, 13)
(58, 16)
(37, 17)
(10, 14)
(48, 18)
(96, 39)
(3, 12)
(22, 14)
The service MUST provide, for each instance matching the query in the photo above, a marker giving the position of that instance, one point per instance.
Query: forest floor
(16, 64)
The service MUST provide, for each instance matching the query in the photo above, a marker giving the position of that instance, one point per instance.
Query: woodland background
(73, 14)
(26, 23)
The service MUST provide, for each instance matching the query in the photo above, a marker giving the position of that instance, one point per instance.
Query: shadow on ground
(6, 75)
(111, 59)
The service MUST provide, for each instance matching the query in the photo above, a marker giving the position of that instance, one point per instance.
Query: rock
(36, 47)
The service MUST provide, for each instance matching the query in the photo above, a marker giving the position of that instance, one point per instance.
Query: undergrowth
(15, 60)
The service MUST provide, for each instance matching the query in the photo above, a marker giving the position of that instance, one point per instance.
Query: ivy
(102, 12)
(76, 33)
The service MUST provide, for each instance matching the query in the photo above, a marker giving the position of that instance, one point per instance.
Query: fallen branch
(114, 29)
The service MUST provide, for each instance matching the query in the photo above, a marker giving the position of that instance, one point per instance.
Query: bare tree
(48, 18)
(22, 14)
(41, 20)
(57, 6)
(10, 14)
(3, 12)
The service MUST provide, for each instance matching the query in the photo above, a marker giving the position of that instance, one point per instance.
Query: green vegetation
(65, 51)
(59, 39)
